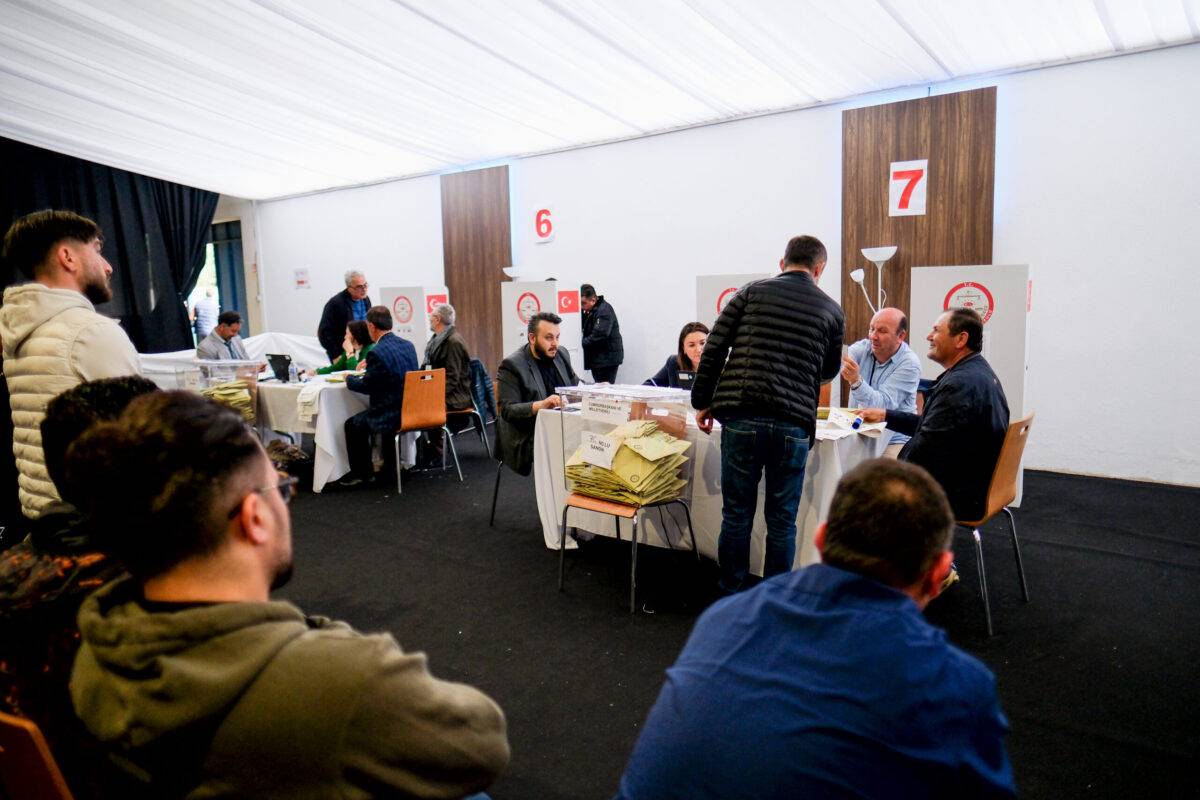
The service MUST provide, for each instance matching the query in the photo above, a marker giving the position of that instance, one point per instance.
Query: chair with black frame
(499, 461)
(424, 409)
(477, 424)
(1002, 490)
(27, 767)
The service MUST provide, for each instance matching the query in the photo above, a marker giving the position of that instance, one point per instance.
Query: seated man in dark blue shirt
(828, 682)
(387, 363)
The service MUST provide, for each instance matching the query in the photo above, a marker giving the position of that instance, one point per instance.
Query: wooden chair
(1001, 491)
(27, 768)
(424, 409)
(618, 511)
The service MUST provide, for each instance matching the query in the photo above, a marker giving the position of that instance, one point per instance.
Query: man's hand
(704, 420)
(361, 366)
(553, 401)
(872, 414)
(849, 369)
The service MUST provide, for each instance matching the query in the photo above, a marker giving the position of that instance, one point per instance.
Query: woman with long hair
(680, 369)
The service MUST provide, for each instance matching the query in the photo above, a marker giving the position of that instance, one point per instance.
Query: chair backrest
(424, 404)
(1003, 488)
(27, 769)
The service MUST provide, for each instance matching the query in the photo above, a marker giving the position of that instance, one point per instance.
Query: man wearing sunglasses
(343, 308)
(197, 682)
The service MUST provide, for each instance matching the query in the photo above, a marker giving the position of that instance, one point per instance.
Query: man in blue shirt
(387, 363)
(883, 371)
(828, 682)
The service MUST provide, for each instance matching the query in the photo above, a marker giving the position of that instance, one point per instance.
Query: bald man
(883, 371)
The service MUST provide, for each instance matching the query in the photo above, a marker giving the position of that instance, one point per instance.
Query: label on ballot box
(605, 409)
(598, 449)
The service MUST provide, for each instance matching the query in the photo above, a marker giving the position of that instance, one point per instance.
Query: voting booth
(1002, 294)
(410, 307)
(520, 300)
(714, 291)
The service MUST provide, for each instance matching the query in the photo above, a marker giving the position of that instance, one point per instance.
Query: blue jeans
(748, 447)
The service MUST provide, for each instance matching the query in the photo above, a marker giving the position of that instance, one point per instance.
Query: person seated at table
(447, 350)
(387, 363)
(829, 682)
(224, 343)
(680, 369)
(883, 371)
(527, 380)
(355, 347)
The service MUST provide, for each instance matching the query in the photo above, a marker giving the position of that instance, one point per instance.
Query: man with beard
(197, 682)
(53, 338)
(527, 380)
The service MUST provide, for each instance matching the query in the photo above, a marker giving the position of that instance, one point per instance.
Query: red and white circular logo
(724, 298)
(528, 305)
(970, 295)
(402, 309)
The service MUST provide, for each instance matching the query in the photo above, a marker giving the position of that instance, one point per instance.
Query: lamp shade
(878, 255)
(857, 276)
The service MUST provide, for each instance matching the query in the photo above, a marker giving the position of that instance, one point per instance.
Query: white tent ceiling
(266, 98)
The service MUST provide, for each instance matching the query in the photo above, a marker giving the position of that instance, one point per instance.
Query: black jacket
(602, 345)
(783, 336)
(334, 319)
(521, 385)
(452, 356)
(672, 375)
(959, 436)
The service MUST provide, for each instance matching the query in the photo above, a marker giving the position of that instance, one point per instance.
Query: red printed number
(913, 176)
(542, 223)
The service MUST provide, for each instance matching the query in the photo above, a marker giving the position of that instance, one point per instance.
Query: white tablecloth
(277, 411)
(827, 462)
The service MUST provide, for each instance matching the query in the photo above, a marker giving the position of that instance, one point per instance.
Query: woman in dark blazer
(680, 369)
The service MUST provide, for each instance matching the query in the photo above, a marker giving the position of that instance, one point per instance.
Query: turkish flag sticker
(568, 302)
(434, 300)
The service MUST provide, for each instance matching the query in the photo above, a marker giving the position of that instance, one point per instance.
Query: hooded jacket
(258, 700)
(53, 341)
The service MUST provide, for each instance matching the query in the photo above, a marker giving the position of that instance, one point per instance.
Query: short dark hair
(74, 411)
(156, 482)
(889, 520)
(542, 316)
(587, 290)
(30, 239)
(688, 329)
(229, 318)
(359, 332)
(380, 317)
(903, 326)
(804, 251)
(968, 320)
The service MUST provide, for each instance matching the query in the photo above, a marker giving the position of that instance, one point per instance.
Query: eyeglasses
(362, 285)
(286, 487)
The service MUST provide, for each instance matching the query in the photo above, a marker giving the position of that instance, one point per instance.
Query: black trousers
(605, 374)
(358, 432)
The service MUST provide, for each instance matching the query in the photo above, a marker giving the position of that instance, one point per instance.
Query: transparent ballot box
(231, 382)
(173, 376)
(628, 445)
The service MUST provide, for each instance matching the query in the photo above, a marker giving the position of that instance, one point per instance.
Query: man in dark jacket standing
(783, 338)
(603, 350)
(343, 308)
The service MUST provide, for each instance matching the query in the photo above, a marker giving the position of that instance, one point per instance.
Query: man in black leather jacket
(603, 349)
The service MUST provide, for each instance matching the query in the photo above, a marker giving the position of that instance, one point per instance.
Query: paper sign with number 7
(906, 188)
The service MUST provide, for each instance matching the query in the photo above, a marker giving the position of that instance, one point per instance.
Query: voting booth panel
(520, 300)
(410, 307)
(714, 291)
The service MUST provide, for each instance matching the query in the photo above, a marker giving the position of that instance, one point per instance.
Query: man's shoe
(951, 578)
(349, 481)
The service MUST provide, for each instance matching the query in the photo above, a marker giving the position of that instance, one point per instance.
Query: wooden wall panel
(957, 133)
(476, 246)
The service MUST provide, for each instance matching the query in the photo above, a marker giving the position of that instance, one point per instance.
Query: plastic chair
(424, 409)
(27, 768)
(618, 511)
(1001, 491)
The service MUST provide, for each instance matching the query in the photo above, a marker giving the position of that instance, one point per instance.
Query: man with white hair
(344, 307)
(447, 350)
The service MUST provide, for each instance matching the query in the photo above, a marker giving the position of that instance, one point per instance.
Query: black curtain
(154, 234)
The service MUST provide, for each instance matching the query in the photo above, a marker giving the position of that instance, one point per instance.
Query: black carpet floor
(1098, 673)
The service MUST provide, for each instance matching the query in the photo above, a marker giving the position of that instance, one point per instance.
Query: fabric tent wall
(154, 234)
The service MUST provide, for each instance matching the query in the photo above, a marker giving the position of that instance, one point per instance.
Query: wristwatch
(856, 384)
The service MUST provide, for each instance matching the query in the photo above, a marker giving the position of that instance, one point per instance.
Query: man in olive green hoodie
(200, 685)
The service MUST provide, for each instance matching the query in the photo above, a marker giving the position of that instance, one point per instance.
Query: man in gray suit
(527, 380)
(224, 343)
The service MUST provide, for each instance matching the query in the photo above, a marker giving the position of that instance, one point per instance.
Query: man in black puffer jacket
(783, 338)
(603, 350)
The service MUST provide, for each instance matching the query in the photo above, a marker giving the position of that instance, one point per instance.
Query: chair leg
(1017, 552)
(562, 547)
(399, 470)
(633, 568)
(453, 452)
(495, 493)
(687, 513)
(983, 588)
(483, 433)
(662, 521)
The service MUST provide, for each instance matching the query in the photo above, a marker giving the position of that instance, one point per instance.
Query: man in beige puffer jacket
(53, 338)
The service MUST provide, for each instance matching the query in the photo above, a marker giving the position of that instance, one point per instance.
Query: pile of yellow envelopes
(645, 466)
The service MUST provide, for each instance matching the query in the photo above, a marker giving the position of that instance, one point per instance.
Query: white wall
(392, 232)
(1097, 188)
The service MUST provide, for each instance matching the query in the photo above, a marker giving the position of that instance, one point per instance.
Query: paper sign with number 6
(543, 226)
(906, 188)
